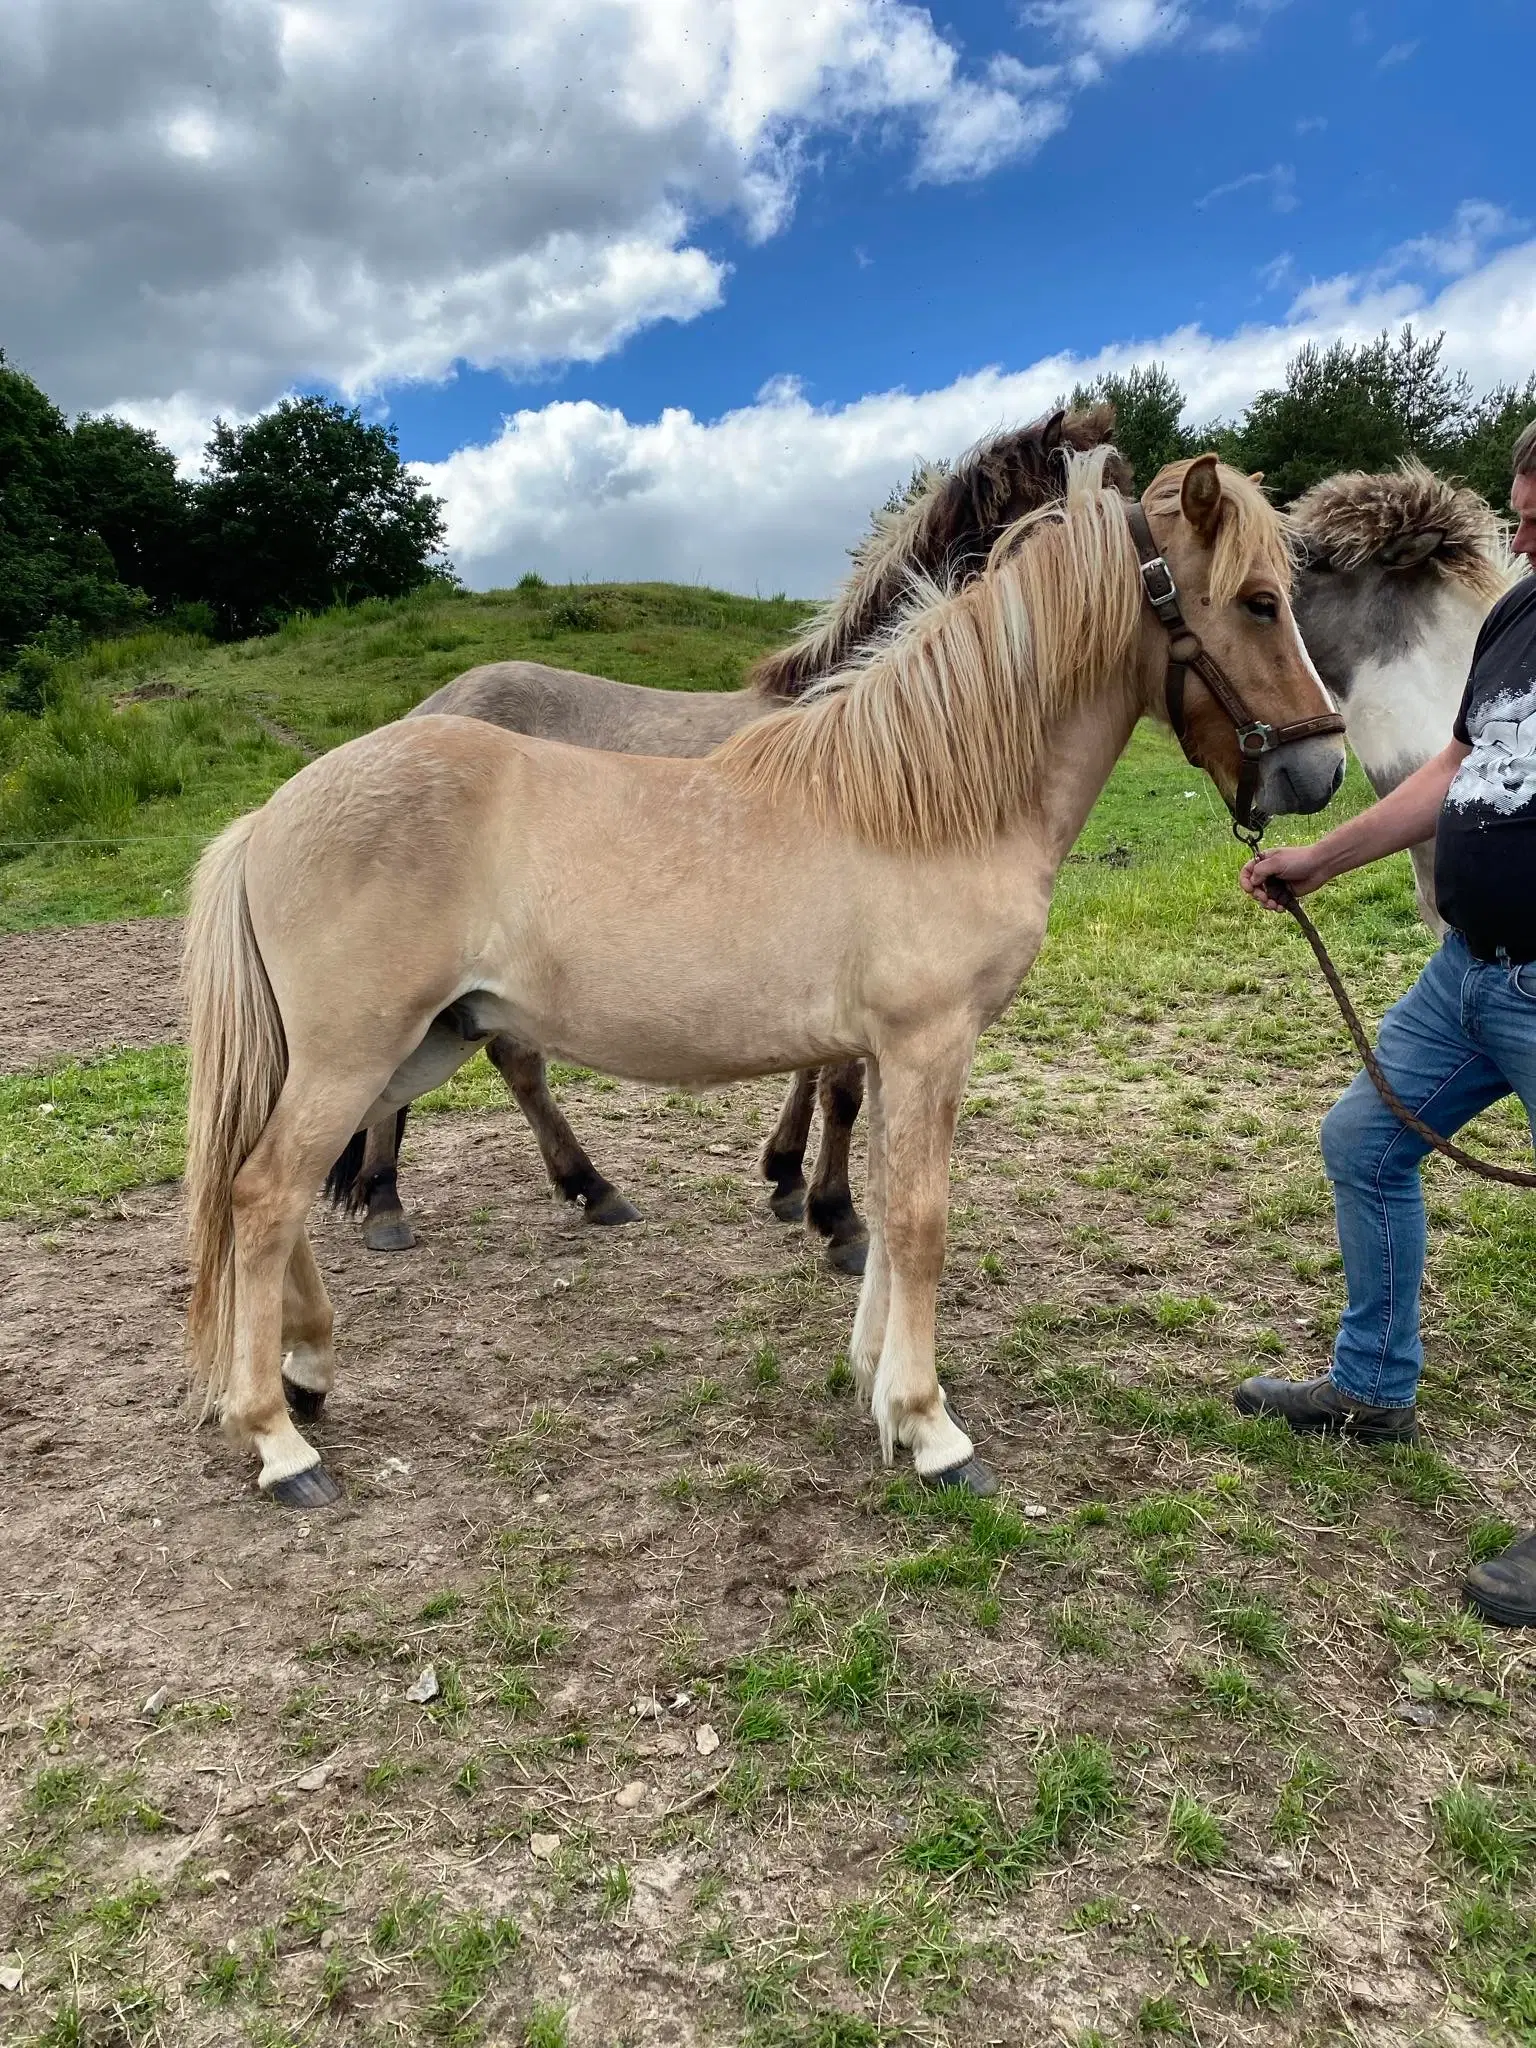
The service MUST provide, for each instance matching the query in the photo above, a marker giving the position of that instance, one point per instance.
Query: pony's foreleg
(783, 1157)
(920, 1090)
(829, 1206)
(564, 1160)
(309, 1354)
(875, 1295)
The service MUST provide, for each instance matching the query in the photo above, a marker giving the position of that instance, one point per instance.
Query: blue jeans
(1462, 1037)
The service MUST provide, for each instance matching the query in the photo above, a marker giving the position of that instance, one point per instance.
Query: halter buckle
(1164, 595)
(1255, 739)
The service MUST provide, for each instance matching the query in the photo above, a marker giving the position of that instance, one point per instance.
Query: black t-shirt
(1485, 845)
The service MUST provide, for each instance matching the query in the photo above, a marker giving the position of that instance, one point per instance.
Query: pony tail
(239, 1060)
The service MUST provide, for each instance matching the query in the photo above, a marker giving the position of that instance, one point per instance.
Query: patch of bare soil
(586, 1473)
(69, 992)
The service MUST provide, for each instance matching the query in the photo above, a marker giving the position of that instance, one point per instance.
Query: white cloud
(771, 496)
(1455, 250)
(1112, 28)
(1279, 178)
(223, 198)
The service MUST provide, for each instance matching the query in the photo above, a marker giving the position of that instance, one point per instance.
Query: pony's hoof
(849, 1258)
(971, 1476)
(304, 1403)
(312, 1489)
(389, 1234)
(788, 1204)
(612, 1208)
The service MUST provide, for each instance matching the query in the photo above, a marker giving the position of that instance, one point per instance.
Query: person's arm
(1400, 820)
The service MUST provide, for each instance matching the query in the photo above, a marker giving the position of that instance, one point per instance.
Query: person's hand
(1298, 865)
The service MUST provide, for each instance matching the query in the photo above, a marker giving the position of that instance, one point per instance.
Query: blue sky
(681, 287)
(1190, 185)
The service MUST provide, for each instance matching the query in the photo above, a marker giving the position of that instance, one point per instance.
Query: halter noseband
(1186, 651)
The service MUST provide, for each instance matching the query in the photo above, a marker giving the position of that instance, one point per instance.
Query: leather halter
(1186, 651)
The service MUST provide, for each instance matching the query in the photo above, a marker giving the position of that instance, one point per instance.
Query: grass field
(1183, 1739)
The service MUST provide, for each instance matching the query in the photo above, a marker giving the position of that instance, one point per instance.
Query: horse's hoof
(312, 1489)
(389, 1234)
(304, 1403)
(971, 1476)
(612, 1208)
(788, 1204)
(849, 1258)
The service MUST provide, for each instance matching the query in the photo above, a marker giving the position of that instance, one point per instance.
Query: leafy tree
(304, 508)
(1362, 407)
(1148, 403)
(1481, 453)
(56, 575)
(127, 492)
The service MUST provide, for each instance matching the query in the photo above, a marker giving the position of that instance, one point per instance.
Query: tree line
(1365, 406)
(302, 508)
(309, 506)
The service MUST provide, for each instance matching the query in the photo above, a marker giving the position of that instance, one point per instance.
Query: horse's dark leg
(309, 1356)
(566, 1163)
(385, 1228)
(783, 1160)
(829, 1208)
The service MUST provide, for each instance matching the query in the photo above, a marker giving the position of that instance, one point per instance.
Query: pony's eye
(1262, 607)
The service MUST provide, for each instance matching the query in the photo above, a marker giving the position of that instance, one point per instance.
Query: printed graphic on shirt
(1500, 772)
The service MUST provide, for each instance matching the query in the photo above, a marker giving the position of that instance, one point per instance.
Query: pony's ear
(1200, 496)
(1412, 549)
(1050, 433)
(1255, 476)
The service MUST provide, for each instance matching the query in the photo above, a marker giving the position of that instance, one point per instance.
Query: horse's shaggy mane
(937, 739)
(1347, 520)
(941, 537)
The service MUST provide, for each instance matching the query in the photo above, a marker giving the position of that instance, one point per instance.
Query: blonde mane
(1348, 519)
(1252, 534)
(939, 737)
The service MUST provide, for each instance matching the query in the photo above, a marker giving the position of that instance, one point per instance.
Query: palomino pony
(865, 876)
(1397, 573)
(942, 534)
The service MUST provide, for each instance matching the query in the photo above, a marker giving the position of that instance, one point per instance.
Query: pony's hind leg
(564, 1160)
(829, 1206)
(919, 1101)
(275, 1279)
(386, 1227)
(309, 1354)
(783, 1158)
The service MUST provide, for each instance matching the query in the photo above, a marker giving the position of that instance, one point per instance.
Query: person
(1463, 1037)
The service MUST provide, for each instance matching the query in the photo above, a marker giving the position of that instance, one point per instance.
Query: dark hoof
(849, 1258)
(312, 1489)
(971, 1477)
(612, 1208)
(388, 1234)
(304, 1403)
(788, 1204)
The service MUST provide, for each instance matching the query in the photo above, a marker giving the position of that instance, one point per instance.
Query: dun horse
(1397, 573)
(943, 535)
(866, 876)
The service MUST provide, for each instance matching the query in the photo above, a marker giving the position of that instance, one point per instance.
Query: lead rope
(1285, 896)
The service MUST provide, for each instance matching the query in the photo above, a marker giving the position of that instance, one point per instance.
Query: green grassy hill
(152, 743)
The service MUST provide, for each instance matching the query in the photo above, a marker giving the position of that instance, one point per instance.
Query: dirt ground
(636, 1444)
(77, 990)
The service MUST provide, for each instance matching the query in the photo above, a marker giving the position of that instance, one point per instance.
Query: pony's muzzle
(1302, 775)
